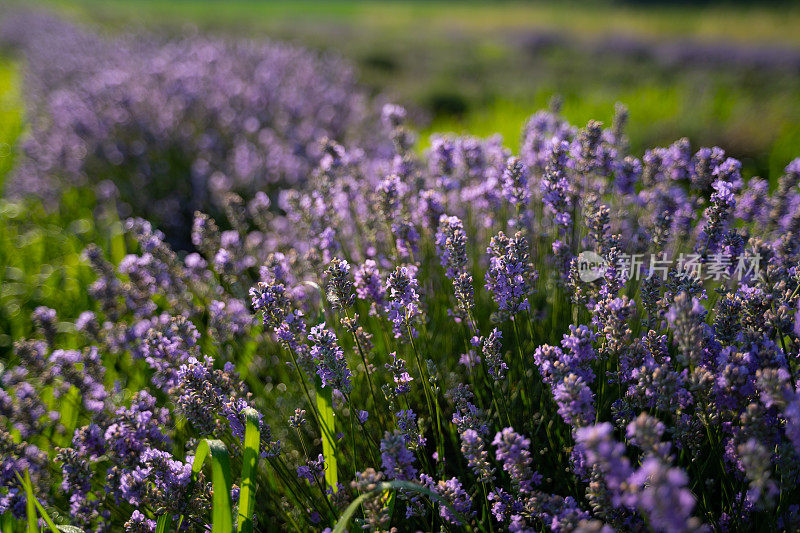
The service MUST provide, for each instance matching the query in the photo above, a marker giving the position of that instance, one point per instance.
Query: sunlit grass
(755, 23)
(678, 112)
(40, 259)
(11, 111)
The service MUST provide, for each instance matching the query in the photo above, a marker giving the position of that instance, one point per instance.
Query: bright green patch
(222, 507)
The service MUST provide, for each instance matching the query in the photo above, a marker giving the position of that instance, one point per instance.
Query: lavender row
(170, 126)
(439, 300)
(675, 53)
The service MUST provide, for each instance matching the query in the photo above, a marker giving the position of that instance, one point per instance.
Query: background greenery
(485, 67)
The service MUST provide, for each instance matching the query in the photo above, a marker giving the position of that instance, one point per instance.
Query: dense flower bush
(442, 306)
(174, 125)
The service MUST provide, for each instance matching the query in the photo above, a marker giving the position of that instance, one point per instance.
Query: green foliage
(10, 115)
(328, 428)
(222, 507)
(164, 522)
(33, 506)
(40, 259)
(250, 455)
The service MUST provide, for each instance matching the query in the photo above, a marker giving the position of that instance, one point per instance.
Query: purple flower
(512, 451)
(716, 216)
(270, 299)
(555, 365)
(453, 492)
(340, 284)
(599, 447)
(473, 449)
(492, 347)
(46, 320)
(391, 192)
(451, 245)
(661, 495)
(139, 523)
(466, 414)
(399, 373)
(369, 286)
(396, 459)
(328, 358)
(575, 401)
(404, 305)
(312, 470)
(557, 193)
(469, 359)
(146, 112)
(407, 424)
(442, 162)
(515, 183)
(510, 277)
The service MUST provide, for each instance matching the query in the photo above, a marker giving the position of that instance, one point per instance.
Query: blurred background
(721, 73)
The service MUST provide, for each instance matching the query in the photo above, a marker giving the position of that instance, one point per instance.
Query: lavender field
(249, 285)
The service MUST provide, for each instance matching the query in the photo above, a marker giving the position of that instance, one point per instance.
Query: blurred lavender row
(174, 124)
(676, 53)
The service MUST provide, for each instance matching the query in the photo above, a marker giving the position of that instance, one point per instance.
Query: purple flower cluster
(403, 308)
(513, 452)
(510, 277)
(175, 125)
(328, 357)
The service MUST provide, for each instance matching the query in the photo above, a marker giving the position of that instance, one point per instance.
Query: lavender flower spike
(329, 359)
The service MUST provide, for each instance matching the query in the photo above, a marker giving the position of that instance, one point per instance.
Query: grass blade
(328, 423)
(222, 507)
(164, 521)
(250, 454)
(33, 505)
(70, 409)
(7, 522)
(30, 507)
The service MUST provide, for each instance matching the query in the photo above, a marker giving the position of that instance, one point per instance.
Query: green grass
(756, 23)
(222, 508)
(41, 246)
(40, 259)
(11, 111)
(34, 509)
(659, 114)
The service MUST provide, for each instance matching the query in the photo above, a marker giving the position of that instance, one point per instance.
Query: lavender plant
(172, 127)
(421, 341)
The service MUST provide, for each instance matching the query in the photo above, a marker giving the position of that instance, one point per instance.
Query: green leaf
(222, 507)
(250, 454)
(164, 521)
(328, 423)
(344, 520)
(7, 522)
(70, 409)
(32, 505)
(117, 234)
